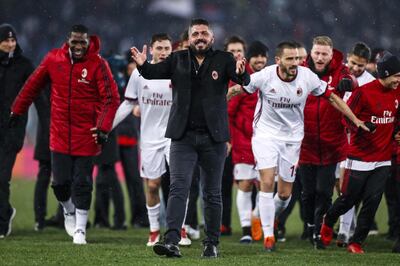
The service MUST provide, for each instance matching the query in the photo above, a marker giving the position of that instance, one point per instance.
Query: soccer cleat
(342, 241)
(269, 243)
(280, 236)
(246, 240)
(79, 237)
(326, 234)
(256, 229)
(193, 233)
(185, 240)
(317, 243)
(69, 223)
(355, 248)
(210, 251)
(225, 230)
(12, 216)
(154, 237)
(396, 246)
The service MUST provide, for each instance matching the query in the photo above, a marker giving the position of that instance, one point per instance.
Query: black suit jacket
(218, 71)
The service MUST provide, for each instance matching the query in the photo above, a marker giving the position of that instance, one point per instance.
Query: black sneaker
(210, 251)
(318, 243)
(169, 250)
(7, 230)
(280, 235)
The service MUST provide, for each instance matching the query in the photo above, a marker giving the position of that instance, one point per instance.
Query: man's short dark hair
(234, 39)
(160, 37)
(199, 21)
(284, 45)
(184, 36)
(79, 28)
(299, 44)
(362, 50)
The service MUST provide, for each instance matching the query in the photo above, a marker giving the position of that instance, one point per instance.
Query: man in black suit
(198, 127)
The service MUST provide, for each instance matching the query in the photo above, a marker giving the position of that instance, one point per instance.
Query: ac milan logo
(396, 103)
(84, 73)
(214, 75)
(299, 92)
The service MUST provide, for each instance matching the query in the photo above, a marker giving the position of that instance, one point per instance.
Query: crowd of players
(360, 172)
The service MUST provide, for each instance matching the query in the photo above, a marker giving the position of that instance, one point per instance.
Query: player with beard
(279, 128)
(197, 126)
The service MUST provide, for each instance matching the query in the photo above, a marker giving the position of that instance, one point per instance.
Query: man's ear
(277, 60)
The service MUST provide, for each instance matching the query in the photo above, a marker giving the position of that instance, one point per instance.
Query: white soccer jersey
(280, 108)
(155, 100)
(364, 78)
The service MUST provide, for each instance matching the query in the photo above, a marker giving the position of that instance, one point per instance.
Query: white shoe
(154, 237)
(69, 223)
(79, 237)
(185, 240)
(194, 234)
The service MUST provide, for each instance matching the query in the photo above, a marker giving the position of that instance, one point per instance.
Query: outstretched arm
(123, 111)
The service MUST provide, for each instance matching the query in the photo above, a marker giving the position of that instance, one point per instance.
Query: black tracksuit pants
(41, 187)
(360, 186)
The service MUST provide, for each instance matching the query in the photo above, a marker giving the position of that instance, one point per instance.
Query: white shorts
(244, 171)
(271, 153)
(152, 162)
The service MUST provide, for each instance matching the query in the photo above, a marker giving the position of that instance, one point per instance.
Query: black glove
(345, 84)
(102, 137)
(371, 126)
(13, 120)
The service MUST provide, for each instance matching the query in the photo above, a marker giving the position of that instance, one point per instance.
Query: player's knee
(284, 195)
(153, 188)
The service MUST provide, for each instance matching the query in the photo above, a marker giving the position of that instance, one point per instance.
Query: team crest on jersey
(214, 75)
(396, 103)
(84, 75)
(299, 92)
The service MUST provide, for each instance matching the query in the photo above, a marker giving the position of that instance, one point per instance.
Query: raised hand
(240, 66)
(139, 57)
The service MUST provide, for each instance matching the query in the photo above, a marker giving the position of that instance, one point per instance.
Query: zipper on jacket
(319, 132)
(69, 110)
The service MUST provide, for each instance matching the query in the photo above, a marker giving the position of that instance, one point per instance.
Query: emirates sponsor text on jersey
(386, 119)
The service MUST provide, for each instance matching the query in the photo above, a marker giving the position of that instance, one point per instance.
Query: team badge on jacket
(214, 75)
(84, 75)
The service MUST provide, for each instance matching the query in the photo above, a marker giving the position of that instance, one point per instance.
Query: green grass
(53, 247)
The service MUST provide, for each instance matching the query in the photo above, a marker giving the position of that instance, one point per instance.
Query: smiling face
(258, 62)
(201, 38)
(391, 82)
(8, 45)
(356, 64)
(321, 56)
(78, 43)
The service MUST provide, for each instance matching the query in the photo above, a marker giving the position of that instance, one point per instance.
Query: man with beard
(278, 128)
(197, 126)
(323, 146)
(241, 111)
(84, 99)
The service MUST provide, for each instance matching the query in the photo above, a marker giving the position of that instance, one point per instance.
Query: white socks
(267, 212)
(154, 217)
(346, 221)
(280, 205)
(81, 219)
(243, 203)
(256, 210)
(68, 206)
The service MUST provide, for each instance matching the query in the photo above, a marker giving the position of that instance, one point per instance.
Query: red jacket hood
(94, 46)
(336, 62)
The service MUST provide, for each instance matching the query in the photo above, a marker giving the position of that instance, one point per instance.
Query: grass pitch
(105, 247)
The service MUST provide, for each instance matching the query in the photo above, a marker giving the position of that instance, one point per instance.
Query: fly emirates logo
(156, 99)
(386, 119)
(283, 103)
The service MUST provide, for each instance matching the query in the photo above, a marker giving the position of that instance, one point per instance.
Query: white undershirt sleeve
(123, 111)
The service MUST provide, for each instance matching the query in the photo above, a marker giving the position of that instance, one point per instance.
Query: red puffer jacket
(324, 135)
(241, 113)
(83, 95)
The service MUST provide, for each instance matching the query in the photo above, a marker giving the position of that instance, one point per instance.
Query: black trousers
(195, 148)
(318, 184)
(108, 187)
(41, 187)
(134, 183)
(191, 215)
(227, 183)
(72, 178)
(7, 159)
(392, 200)
(365, 186)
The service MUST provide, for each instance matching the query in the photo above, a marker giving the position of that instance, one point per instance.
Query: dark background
(42, 25)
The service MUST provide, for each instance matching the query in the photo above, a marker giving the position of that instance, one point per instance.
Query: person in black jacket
(198, 127)
(14, 70)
